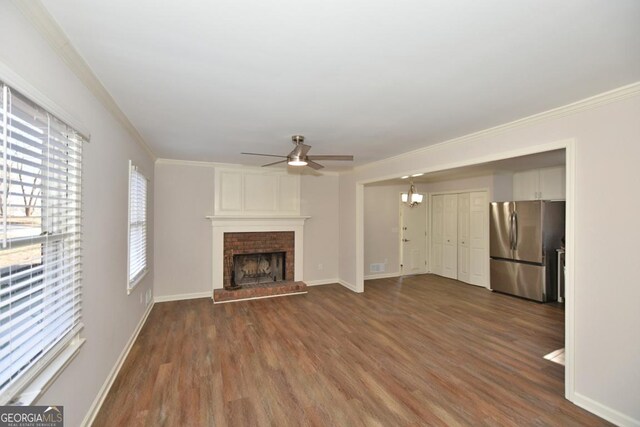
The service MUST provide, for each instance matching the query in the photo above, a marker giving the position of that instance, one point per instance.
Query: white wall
(381, 222)
(319, 199)
(184, 196)
(607, 318)
(109, 315)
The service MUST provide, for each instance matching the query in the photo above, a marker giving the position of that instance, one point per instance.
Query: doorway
(413, 238)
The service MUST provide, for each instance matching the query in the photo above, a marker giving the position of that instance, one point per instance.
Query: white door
(413, 243)
(463, 237)
(478, 235)
(450, 236)
(437, 212)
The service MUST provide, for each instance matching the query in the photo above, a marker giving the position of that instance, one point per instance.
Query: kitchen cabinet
(539, 184)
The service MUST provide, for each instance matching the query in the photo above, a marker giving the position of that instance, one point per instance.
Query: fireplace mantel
(221, 224)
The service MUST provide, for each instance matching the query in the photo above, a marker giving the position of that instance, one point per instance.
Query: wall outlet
(148, 296)
(320, 266)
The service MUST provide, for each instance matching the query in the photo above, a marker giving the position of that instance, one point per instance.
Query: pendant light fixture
(412, 198)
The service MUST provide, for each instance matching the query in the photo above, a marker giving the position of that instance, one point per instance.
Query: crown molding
(46, 25)
(595, 101)
(176, 162)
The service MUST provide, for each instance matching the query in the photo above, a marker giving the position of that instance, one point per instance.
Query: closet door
(479, 248)
(463, 237)
(450, 237)
(437, 211)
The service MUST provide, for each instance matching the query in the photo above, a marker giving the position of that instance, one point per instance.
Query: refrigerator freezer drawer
(523, 280)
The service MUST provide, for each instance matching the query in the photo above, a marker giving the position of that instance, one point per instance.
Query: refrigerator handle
(511, 246)
(515, 231)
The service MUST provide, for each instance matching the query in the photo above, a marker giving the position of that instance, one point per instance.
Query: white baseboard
(382, 276)
(611, 415)
(178, 297)
(104, 390)
(348, 285)
(321, 282)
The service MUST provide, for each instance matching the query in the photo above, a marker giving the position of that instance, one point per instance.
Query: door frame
(427, 213)
(569, 145)
(429, 225)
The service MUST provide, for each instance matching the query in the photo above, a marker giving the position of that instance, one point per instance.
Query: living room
(590, 115)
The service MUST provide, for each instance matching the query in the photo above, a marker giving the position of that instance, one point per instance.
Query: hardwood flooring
(418, 351)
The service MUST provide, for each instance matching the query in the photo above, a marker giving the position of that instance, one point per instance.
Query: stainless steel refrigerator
(524, 238)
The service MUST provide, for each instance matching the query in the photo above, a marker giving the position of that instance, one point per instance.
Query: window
(137, 226)
(40, 239)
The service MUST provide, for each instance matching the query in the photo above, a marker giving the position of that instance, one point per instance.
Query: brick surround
(259, 242)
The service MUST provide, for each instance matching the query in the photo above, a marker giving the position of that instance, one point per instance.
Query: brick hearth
(259, 290)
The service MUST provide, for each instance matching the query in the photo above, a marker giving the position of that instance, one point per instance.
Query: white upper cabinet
(249, 191)
(540, 184)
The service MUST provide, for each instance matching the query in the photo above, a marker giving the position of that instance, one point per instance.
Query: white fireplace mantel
(254, 223)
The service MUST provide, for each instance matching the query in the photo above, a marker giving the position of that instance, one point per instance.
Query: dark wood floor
(420, 351)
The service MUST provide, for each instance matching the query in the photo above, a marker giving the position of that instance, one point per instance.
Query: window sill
(138, 279)
(29, 394)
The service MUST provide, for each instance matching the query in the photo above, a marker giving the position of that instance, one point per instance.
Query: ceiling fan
(298, 156)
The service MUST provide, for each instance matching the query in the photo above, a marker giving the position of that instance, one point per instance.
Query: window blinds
(40, 235)
(137, 225)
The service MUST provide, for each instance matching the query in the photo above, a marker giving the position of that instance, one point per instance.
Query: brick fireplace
(261, 232)
(255, 256)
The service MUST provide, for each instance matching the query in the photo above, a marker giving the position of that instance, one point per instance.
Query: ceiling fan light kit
(298, 156)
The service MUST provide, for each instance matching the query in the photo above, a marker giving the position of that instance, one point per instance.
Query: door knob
(405, 240)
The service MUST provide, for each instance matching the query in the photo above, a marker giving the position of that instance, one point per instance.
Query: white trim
(264, 297)
(565, 110)
(359, 285)
(570, 273)
(349, 286)
(321, 282)
(163, 161)
(89, 418)
(557, 145)
(16, 82)
(180, 297)
(603, 411)
(384, 276)
(49, 29)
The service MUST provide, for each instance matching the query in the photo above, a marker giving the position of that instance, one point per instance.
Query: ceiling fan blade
(260, 154)
(274, 163)
(305, 149)
(313, 165)
(330, 157)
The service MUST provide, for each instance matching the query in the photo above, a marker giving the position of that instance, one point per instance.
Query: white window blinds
(137, 226)
(40, 234)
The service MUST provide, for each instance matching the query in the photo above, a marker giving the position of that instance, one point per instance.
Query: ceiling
(207, 80)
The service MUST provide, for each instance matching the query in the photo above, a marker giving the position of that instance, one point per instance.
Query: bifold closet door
(463, 237)
(450, 237)
(437, 212)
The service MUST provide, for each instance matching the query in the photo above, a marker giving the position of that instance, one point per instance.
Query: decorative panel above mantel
(256, 191)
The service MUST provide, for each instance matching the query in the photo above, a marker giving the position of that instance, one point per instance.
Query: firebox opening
(259, 268)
